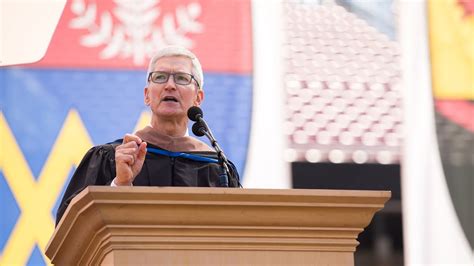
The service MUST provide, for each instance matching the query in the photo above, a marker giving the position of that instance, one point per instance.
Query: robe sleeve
(234, 176)
(96, 168)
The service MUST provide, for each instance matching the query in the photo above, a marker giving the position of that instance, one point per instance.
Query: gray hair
(178, 51)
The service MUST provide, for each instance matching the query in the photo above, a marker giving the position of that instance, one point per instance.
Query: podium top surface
(142, 192)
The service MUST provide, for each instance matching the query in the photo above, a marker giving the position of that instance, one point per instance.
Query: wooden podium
(212, 226)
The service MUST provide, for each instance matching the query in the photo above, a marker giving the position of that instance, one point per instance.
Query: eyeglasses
(179, 78)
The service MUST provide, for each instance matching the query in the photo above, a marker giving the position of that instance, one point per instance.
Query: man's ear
(199, 98)
(146, 96)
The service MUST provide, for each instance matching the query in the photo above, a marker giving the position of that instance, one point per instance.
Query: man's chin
(171, 113)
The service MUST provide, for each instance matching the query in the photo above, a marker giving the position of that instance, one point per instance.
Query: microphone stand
(225, 173)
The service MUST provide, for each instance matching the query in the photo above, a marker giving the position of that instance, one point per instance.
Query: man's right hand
(129, 158)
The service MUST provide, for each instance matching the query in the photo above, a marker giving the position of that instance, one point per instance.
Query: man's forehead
(174, 62)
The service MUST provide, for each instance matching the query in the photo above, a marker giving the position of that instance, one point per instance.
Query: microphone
(200, 128)
(194, 113)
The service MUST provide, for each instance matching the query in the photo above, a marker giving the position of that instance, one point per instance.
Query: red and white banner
(124, 34)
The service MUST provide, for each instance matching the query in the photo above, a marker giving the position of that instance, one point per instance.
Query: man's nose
(170, 84)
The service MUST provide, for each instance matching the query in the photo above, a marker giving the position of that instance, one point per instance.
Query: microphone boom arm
(220, 154)
(200, 128)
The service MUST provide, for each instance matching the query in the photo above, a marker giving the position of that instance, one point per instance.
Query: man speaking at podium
(162, 153)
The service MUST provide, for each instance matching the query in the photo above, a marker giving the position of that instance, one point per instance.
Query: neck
(169, 127)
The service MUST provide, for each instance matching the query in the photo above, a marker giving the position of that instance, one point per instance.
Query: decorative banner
(124, 34)
(88, 90)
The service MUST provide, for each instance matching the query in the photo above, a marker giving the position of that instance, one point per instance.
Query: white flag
(433, 230)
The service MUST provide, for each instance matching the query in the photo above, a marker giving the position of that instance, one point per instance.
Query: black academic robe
(98, 168)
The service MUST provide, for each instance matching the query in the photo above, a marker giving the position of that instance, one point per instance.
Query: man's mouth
(169, 99)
